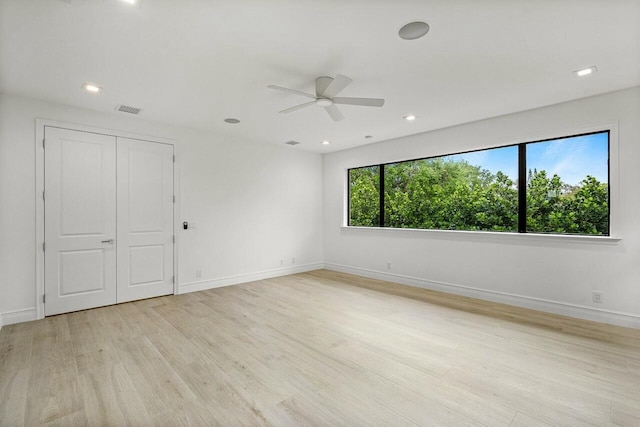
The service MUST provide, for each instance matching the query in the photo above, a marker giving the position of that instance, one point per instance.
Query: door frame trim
(40, 203)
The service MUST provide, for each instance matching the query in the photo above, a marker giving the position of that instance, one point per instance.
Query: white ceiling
(195, 63)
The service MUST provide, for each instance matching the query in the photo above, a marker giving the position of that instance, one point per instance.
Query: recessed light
(325, 142)
(413, 30)
(90, 87)
(410, 117)
(133, 2)
(586, 71)
(232, 121)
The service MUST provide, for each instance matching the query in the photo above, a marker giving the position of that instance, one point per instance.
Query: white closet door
(80, 220)
(145, 219)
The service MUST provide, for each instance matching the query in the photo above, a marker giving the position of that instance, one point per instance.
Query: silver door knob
(110, 241)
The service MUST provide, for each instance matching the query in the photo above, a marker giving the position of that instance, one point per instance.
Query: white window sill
(487, 235)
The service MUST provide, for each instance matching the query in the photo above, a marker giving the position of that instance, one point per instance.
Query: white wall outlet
(389, 265)
(597, 297)
(198, 274)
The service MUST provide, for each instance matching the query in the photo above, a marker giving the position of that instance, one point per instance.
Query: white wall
(253, 205)
(257, 204)
(552, 274)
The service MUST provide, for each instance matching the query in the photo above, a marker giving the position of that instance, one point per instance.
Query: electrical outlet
(597, 297)
(389, 265)
(198, 274)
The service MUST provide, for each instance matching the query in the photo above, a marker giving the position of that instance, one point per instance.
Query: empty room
(319, 213)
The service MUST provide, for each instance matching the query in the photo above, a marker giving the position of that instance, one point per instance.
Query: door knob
(110, 241)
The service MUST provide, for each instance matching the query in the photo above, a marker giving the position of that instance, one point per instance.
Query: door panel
(83, 271)
(80, 220)
(145, 219)
(146, 264)
(81, 204)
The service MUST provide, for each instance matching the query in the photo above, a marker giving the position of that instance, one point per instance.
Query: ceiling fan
(326, 90)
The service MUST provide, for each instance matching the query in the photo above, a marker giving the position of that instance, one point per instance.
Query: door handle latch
(110, 241)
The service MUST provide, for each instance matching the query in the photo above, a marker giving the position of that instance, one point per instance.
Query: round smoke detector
(232, 121)
(413, 30)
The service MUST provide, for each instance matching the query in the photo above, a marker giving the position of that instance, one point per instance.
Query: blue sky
(571, 158)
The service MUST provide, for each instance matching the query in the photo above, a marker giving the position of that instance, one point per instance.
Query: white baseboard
(243, 278)
(28, 314)
(572, 310)
(566, 309)
(18, 316)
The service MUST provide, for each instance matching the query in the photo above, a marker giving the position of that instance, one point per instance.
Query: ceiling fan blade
(339, 83)
(322, 83)
(365, 102)
(333, 111)
(297, 107)
(297, 92)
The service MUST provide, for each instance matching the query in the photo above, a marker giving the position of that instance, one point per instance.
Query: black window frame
(521, 183)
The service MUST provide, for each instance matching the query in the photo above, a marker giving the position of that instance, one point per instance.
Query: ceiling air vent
(292, 143)
(128, 109)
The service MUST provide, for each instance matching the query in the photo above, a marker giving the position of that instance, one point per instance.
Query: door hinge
(173, 279)
(43, 195)
(174, 239)
(174, 158)
(174, 198)
(44, 246)
(44, 298)
(43, 144)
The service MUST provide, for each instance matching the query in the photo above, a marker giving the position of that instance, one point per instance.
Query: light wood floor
(318, 348)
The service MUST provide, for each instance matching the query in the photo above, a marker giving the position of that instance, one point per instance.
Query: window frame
(610, 130)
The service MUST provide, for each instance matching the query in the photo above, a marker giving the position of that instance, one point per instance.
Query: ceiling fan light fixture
(324, 102)
(413, 30)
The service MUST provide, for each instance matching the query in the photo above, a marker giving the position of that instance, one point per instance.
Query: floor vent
(292, 143)
(128, 109)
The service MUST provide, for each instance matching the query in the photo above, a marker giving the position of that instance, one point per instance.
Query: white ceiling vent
(128, 109)
(292, 143)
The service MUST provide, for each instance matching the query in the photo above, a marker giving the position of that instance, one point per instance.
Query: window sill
(487, 235)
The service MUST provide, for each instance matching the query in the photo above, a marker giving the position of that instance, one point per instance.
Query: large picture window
(558, 186)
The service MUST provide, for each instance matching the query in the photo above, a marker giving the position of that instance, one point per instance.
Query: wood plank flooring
(320, 349)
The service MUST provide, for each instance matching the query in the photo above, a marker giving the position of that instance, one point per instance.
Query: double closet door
(108, 220)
